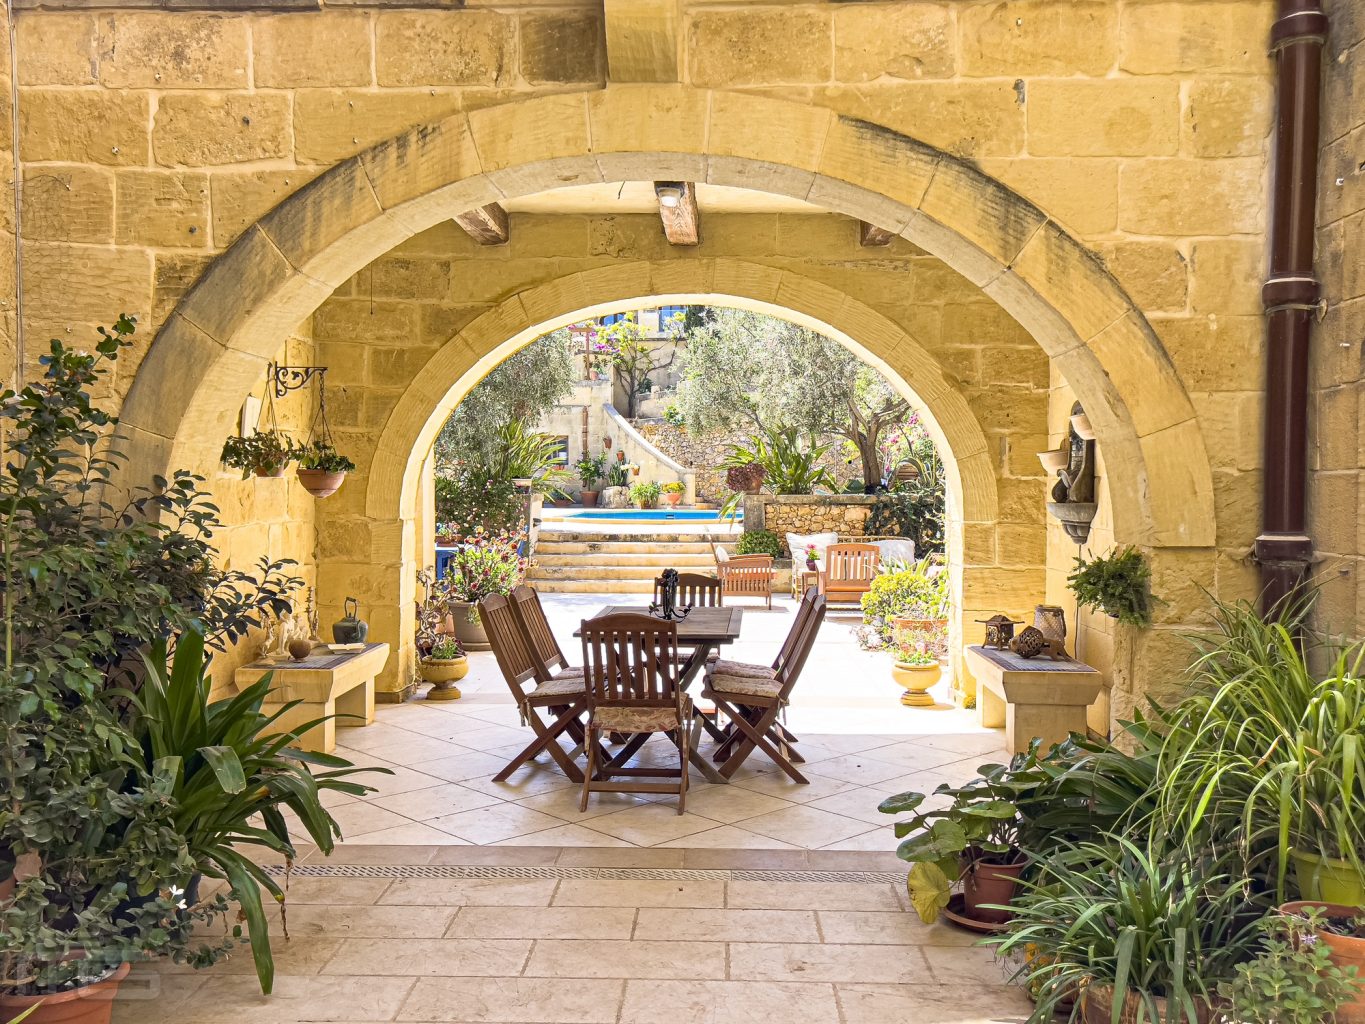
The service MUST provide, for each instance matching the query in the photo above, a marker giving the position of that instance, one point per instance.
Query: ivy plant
(1118, 584)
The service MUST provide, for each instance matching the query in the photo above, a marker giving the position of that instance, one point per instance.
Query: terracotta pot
(1346, 951)
(588, 499)
(266, 471)
(443, 674)
(1097, 1007)
(319, 482)
(985, 883)
(916, 680)
(469, 633)
(925, 625)
(89, 1004)
(672, 498)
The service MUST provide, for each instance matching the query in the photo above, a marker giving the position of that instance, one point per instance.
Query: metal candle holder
(666, 607)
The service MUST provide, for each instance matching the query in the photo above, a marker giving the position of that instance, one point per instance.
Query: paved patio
(859, 742)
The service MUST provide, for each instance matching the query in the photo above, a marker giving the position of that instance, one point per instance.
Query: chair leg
(591, 743)
(683, 768)
(756, 735)
(547, 738)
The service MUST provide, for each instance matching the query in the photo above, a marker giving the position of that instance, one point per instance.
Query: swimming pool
(653, 515)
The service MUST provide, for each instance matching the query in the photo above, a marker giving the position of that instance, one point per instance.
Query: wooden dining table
(703, 630)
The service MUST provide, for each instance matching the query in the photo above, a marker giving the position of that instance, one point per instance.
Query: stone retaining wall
(844, 514)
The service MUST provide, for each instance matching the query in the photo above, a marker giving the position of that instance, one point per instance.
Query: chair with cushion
(849, 571)
(563, 696)
(744, 575)
(753, 696)
(630, 665)
(535, 627)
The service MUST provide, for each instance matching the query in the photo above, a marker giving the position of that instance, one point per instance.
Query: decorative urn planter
(443, 674)
(468, 626)
(915, 680)
(89, 1004)
(319, 482)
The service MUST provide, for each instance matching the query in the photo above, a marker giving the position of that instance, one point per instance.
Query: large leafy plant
(790, 462)
(914, 509)
(1118, 584)
(1292, 979)
(486, 565)
(920, 592)
(225, 762)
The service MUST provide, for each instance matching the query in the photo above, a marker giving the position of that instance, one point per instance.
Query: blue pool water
(650, 515)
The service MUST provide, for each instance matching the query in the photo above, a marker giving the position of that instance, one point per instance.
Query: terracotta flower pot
(1346, 951)
(319, 482)
(443, 674)
(985, 883)
(672, 498)
(468, 626)
(916, 680)
(89, 1004)
(265, 471)
(1098, 1007)
(588, 499)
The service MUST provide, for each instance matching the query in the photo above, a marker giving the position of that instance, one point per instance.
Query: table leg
(691, 668)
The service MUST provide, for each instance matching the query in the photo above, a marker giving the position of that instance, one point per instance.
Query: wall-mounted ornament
(284, 379)
(1073, 493)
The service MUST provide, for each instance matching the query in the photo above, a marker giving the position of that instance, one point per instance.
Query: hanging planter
(322, 469)
(263, 453)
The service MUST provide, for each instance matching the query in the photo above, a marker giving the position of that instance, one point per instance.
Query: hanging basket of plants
(263, 453)
(322, 469)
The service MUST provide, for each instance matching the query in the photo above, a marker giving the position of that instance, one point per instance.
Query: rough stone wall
(1336, 491)
(845, 515)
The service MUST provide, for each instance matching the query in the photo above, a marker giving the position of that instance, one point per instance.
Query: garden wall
(844, 514)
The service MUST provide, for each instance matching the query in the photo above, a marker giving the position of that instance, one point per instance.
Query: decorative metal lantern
(1051, 621)
(999, 631)
(1029, 643)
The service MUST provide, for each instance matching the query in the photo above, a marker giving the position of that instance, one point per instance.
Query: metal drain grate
(512, 871)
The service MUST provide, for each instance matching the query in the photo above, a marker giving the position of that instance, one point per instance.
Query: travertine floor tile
(812, 895)
(610, 892)
(342, 921)
(513, 1000)
(493, 824)
(640, 958)
(490, 958)
(315, 998)
(460, 892)
(728, 925)
(716, 1002)
(933, 1004)
(439, 799)
(651, 823)
(803, 825)
(542, 923)
(782, 961)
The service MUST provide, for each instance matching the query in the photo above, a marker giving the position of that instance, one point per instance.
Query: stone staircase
(616, 563)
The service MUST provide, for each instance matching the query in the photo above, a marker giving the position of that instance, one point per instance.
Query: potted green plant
(591, 469)
(759, 542)
(645, 494)
(672, 492)
(483, 565)
(1305, 972)
(778, 457)
(916, 666)
(322, 469)
(264, 453)
(1118, 584)
(443, 666)
(914, 598)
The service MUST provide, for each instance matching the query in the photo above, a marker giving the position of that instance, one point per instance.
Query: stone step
(644, 540)
(661, 560)
(615, 586)
(589, 571)
(548, 546)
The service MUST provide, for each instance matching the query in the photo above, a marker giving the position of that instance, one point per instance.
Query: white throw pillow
(797, 543)
(898, 550)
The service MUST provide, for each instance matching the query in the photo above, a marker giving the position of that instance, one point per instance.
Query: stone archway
(389, 510)
(222, 333)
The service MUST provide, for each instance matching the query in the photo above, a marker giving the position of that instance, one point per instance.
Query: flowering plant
(812, 556)
(918, 646)
(446, 648)
(486, 565)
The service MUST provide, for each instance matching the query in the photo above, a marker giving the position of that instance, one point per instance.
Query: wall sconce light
(670, 193)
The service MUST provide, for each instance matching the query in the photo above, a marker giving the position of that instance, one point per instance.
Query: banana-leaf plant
(234, 773)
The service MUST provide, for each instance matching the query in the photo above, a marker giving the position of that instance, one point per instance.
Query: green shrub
(1292, 980)
(789, 466)
(759, 542)
(1117, 584)
(645, 493)
(915, 510)
(474, 501)
(911, 594)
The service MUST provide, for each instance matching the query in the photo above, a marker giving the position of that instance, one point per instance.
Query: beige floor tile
(849, 743)
(415, 748)
(434, 801)
(149, 996)
(878, 839)
(727, 837)
(567, 835)
(513, 1000)
(803, 825)
(501, 856)
(634, 857)
(861, 769)
(563, 803)
(363, 853)
(858, 803)
(742, 893)
(355, 819)
(341, 921)
(950, 962)
(643, 892)
(365, 739)
(414, 833)
(304, 889)
(728, 804)
(780, 786)
(639, 958)
(473, 892)
(460, 767)
(755, 961)
(728, 925)
(914, 755)
(524, 782)
(879, 927)
(296, 955)
(650, 823)
(487, 958)
(403, 780)
(542, 923)
(491, 736)
(957, 1003)
(495, 823)
(728, 1002)
(314, 998)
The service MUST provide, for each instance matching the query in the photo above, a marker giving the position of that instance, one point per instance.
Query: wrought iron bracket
(284, 379)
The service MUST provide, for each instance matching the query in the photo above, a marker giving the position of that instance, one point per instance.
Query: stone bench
(1032, 697)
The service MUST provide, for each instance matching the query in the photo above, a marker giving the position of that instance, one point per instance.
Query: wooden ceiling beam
(487, 225)
(682, 222)
(872, 237)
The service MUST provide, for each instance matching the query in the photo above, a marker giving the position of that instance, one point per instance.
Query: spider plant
(227, 766)
(1270, 754)
(1163, 931)
(790, 466)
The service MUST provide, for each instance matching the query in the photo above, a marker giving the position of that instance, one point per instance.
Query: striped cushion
(740, 668)
(744, 686)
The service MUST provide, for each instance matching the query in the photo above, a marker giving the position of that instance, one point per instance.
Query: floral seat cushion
(562, 685)
(617, 719)
(722, 667)
(744, 686)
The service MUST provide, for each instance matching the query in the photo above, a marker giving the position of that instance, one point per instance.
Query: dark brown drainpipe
(1290, 297)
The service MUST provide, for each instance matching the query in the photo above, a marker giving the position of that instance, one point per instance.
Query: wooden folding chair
(563, 696)
(753, 702)
(630, 665)
(535, 627)
(694, 588)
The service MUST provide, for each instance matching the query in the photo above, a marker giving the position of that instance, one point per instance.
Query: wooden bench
(1032, 697)
(328, 684)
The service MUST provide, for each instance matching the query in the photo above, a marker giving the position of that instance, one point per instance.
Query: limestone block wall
(1336, 492)
(844, 514)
